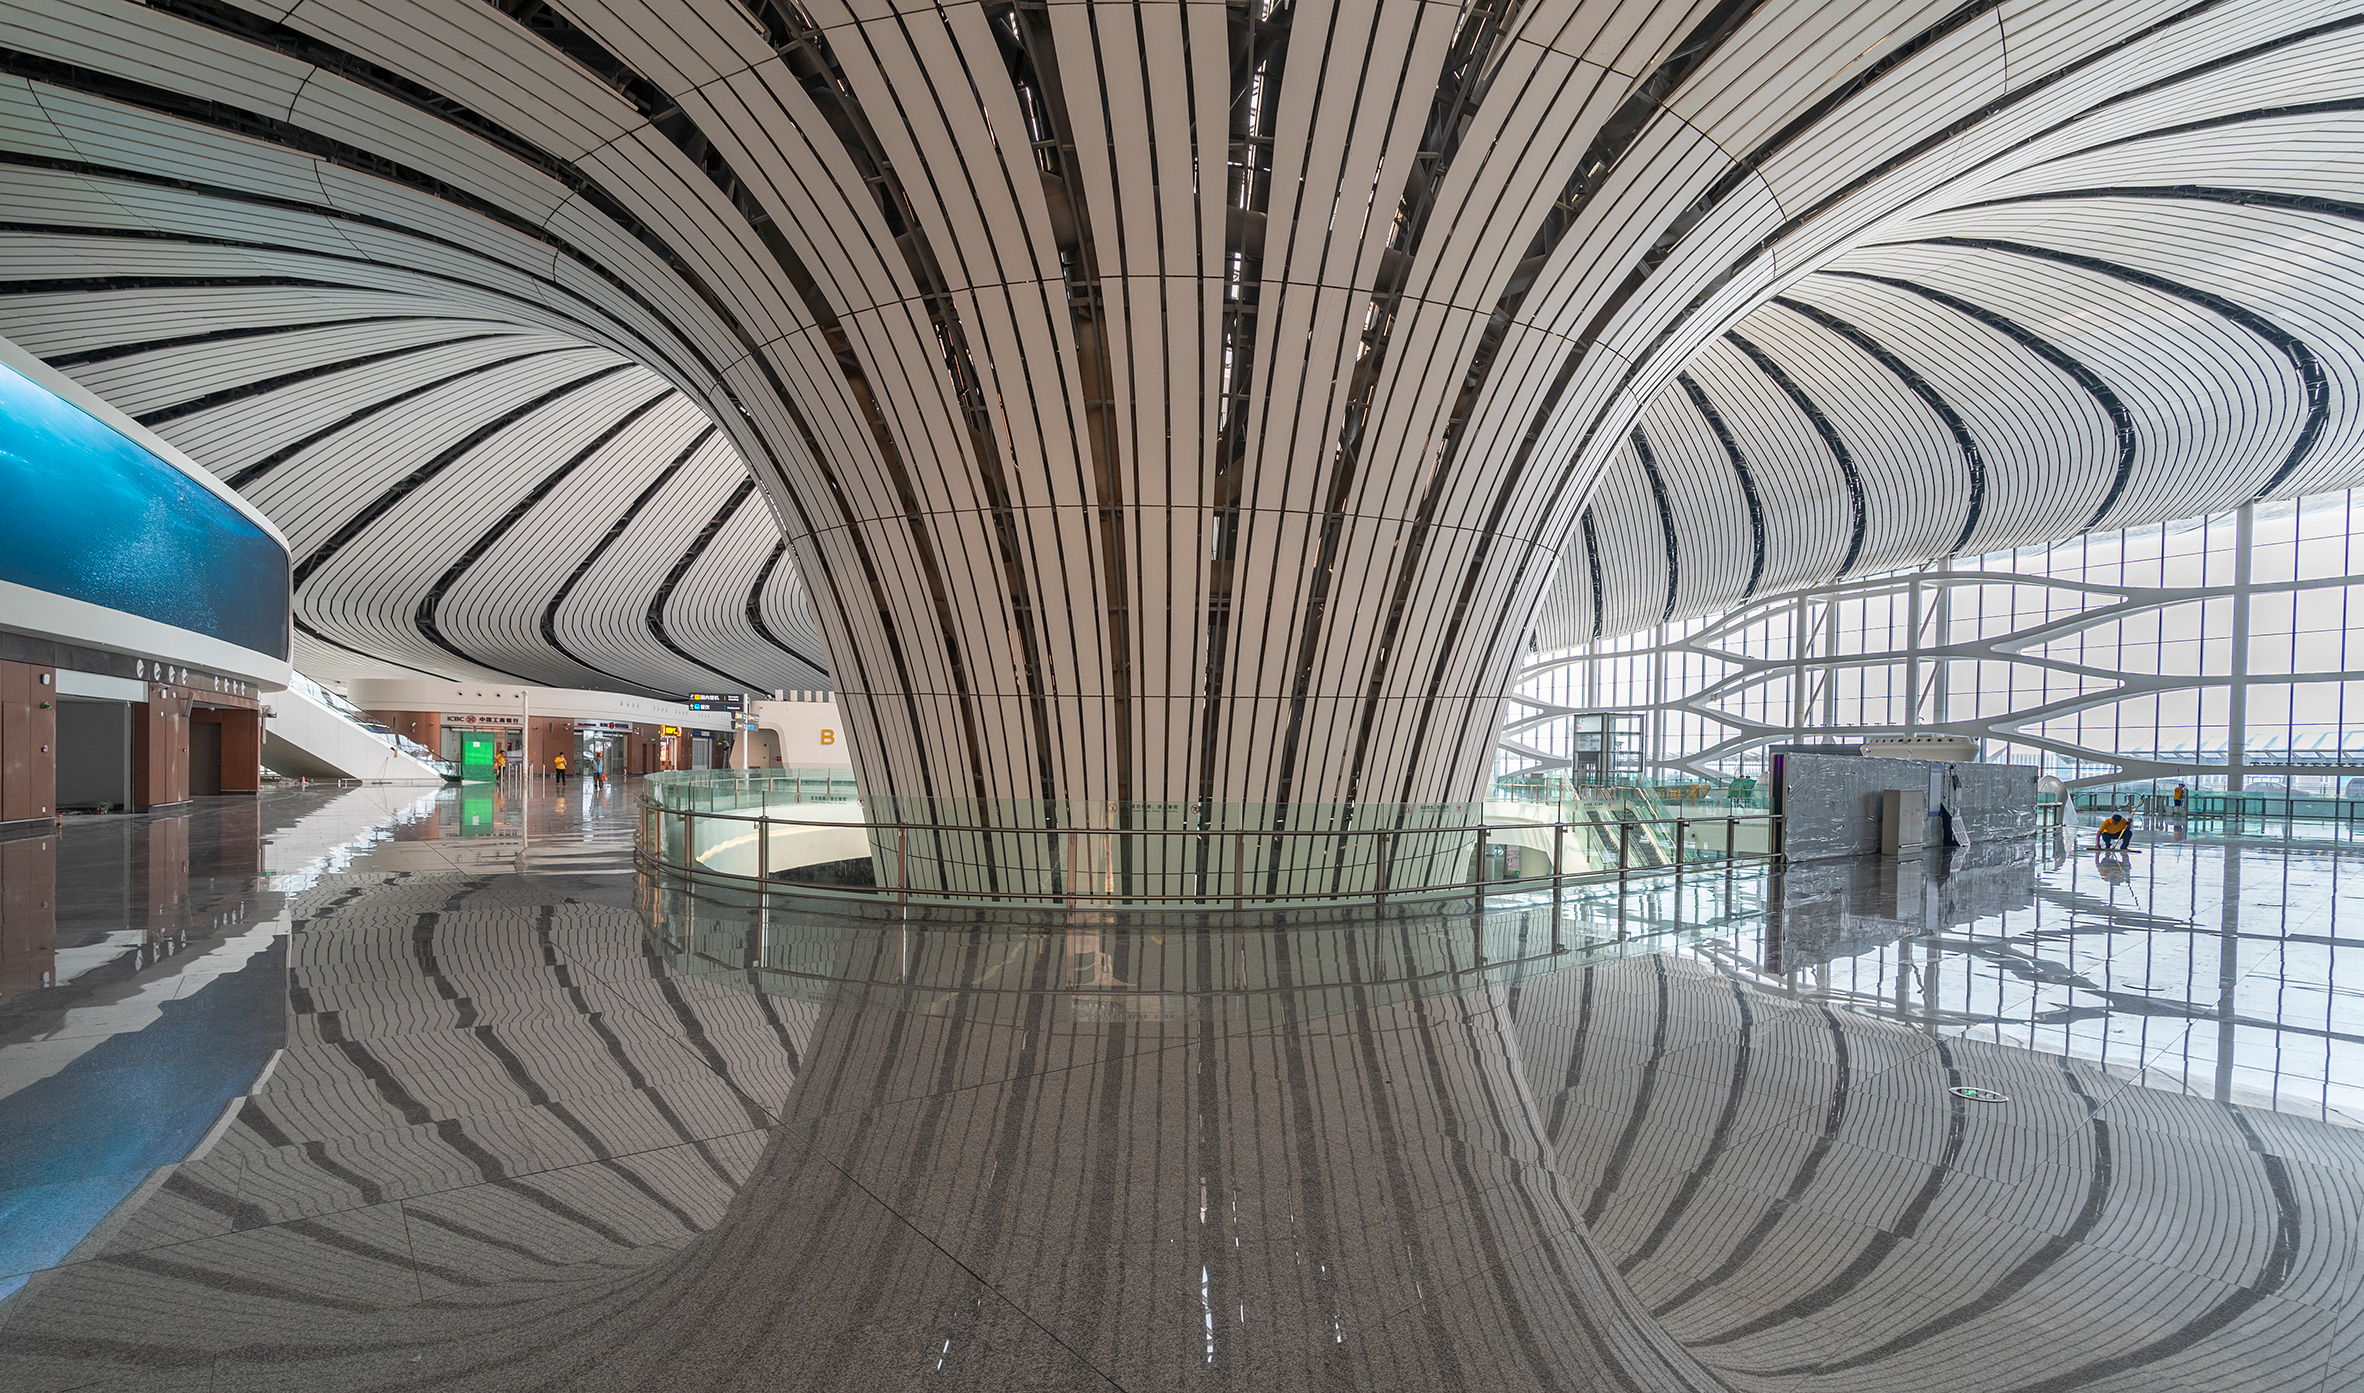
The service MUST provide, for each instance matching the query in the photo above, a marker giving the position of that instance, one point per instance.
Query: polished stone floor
(385, 1088)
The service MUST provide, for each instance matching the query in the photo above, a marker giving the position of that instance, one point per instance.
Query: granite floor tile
(483, 1132)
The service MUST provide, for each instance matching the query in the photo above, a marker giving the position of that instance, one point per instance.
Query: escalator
(312, 734)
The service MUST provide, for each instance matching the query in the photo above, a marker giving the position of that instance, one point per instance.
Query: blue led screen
(94, 516)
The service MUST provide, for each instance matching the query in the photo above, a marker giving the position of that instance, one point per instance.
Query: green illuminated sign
(476, 756)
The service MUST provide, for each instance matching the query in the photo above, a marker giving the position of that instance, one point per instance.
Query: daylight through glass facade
(2212, 649)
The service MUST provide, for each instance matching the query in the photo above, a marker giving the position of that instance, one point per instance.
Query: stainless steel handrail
(984, 831)
(1240, 897)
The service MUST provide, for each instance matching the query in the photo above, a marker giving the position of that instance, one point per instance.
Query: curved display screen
(92, 515)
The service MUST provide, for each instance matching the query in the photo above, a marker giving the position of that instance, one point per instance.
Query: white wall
(567, 703)
(811, 733)
(64, 619)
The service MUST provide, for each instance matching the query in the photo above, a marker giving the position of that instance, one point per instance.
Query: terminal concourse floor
(399, 1088)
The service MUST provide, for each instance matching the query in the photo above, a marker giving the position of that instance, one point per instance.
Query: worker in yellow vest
(2116, 832)
(558, 766)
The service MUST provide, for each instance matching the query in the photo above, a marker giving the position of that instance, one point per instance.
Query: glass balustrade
(812, 830)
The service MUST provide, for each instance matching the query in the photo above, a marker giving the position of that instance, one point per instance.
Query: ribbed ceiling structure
(2145, 314)
(462, 496)
(1180, 402)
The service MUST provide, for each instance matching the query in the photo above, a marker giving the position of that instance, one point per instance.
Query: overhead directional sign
(716, 701)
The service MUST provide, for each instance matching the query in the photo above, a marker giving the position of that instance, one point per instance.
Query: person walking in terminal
(599, 767)
(2116, 832)
(558, 767)
(2182, 794)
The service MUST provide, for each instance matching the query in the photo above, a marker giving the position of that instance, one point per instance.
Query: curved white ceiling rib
(2150, 315)
(434, 525)
(1002, 309)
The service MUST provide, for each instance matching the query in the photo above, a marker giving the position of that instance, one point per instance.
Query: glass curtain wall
(2211, 649)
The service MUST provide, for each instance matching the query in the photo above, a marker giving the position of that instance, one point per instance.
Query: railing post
(1559, 877)
(1624, 848)
(763, 915)
(763, 855)
(1681, 831)
(1386, 845)
(1485, 834)
(902, 867)
(1477, 906)
(1239, 871)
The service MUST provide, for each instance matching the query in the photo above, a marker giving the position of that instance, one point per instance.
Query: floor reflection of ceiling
(516, 1143)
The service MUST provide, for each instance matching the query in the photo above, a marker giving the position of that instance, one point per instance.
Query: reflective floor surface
(370, 1088)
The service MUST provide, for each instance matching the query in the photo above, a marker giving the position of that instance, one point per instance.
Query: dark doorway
(93, 755)
(205, 759)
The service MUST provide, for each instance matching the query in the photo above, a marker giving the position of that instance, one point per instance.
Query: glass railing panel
(817, 832)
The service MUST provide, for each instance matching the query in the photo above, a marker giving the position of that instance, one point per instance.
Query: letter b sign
(828, 737)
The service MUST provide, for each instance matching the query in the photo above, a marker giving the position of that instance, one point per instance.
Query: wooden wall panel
(28, 742)
(160, 748)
